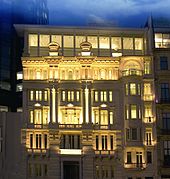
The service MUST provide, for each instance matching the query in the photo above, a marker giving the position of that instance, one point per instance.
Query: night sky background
(122, 13)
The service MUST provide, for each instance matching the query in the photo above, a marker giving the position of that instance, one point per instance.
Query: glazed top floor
(105, 41)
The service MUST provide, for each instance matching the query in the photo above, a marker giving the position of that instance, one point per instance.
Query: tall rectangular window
(163, 63)
(96, 96)
(111, 142)
(45, 95)
(128, 43)
(110, 96)
(111, 117)
(44, 40)
(104, 43)
(133, 90)
(166, 145)
(129, 157)
(165, 96)
(77, 95)
(104, 117)
(134, 133)
(149, 138)
(149, 157)
(31, 95)
(33, 40)
(104, 142)
(133, 111)
(63, 95)
(166, 121)
(38, 171)
(45, 140)
(31, 116)
(138, 44)
(31, 140)
(68, 42)
(147, 67)
(97, 142)
(116, 43)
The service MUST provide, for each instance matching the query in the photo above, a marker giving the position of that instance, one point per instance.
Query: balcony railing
(37, 151)
(104, 152)
(130, 72)
(139, 166)
(70, 126)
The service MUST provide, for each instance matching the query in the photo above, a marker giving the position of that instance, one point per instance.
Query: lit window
(129, 158)
(44, 40)
(104, 142)
(148, 110)
(104, 117)
(147, 89)
(38, 74)
(132, 88)
(45, 95)
(68, 42)
(79, 40)
(38, 95)
(127, 111)
(111, 117)
(31, 95)
(147, 67)
(77, 95)
(19, 75)
(116, 43)
(148, 137)
(103, 95)
(96, 116)
(45, 116)
(33, 40)
(37, 116)
(31, 116)
(104, 43)
(138, 44)
(127, 43)
(72, 95)
(93, 41)
(110, 96)
(19, 87)
(126, 89)
(133, 111)
(70, 74)
(103, 74)
(56, 38)
(63, 96)
(134, 133)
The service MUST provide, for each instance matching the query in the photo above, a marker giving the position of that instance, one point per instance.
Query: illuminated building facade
(88, 103)
(161, 44)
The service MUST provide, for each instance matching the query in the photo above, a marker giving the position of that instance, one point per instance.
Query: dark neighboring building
(14, 12)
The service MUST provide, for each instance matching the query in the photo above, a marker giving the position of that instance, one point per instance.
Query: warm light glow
(87, 104)
(116, 54)
(53, 106)
(85, 53)
(70, 151)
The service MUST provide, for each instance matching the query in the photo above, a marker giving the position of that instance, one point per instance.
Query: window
(31, 116)
(31, 140)
(38, 141)
(70, 95)
(138, 44)
(104, 117)
(129, 157)
(149, 157)
(134, 133)
(38, 171)
(110, 96)
(56, 38)
(148, 110)
(93, 41)
(45, 95)
(70, 116)
(139, 159)
(127, 43)
(163, 63)
(77, 95)
(166, 121)
(79, 40)
(70, 141)
(126, 89)
(103, 96)
(133, 90)
(116, 43)
(33, 40)
(104, 43)
(149, 138)
(147, 67)
(133, 111)
(31, 95)
(165, 97)
(68, 42)
(147, 89)
(111, 117)
(63, 95)
(44, 40)
(38, 95)
(104, 142)
(111, 142)
(166, 145)
(37, 116)
(96, 96)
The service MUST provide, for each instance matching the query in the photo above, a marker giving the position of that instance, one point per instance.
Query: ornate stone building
(88, 103)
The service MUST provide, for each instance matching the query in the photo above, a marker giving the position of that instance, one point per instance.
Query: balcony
(138, 166)
(70, 126)
(103, 127)
(131, 72)
(104, 153)
(38, 126)
(35, 151)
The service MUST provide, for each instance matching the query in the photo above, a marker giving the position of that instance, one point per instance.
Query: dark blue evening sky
(127, 13)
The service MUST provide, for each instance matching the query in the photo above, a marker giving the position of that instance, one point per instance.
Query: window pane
(132, 88)
(79, 40)
(93, 41)
(133, 111)
(44, 40)
(138, 44)
(163, 63)
(116, 43)
(128, 43)
(33, 40)
(104, 43)
(56, 38)
(68, 41)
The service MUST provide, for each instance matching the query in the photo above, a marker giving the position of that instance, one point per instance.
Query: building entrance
(71, 169)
